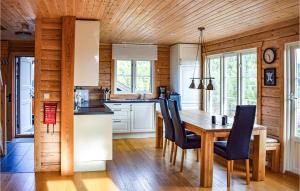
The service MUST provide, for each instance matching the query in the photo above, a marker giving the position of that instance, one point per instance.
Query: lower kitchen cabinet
(121, 126)
(142, 117)
(132, 117)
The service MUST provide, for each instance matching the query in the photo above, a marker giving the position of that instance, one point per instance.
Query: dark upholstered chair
(169, 128)
(238, 144)
(182, 139)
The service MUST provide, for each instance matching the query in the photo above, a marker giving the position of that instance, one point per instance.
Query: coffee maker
(162, 91)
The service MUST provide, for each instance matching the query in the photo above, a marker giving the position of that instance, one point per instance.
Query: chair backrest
(169, 128)
(240, 134)
(180, 135)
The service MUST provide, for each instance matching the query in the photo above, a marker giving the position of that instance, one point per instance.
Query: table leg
(207, 159)
(259, 156)
(159, 132)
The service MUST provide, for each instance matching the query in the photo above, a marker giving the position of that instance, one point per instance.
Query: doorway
(292, 152)
(24, 96)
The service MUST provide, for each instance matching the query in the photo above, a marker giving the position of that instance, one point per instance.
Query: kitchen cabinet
(142, 117)
(121, 118)
(182, 63)
(92, 141)
(87, 39)
(132, 117)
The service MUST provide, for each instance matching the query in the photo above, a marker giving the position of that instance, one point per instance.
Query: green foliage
(136, 74)
(248, 80)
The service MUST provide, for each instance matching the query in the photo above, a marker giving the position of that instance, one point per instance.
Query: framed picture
(270, 77)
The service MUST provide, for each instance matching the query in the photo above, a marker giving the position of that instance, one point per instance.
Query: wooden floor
(138, 166)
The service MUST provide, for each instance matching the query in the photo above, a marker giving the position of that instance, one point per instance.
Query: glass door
(24, 95)
(294, 108)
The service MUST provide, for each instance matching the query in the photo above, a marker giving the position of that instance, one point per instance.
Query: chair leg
(175, 153)
(228, 172)
(172, 150)
(164, 149)
(232, 163)
(247, 171)
(182, 159)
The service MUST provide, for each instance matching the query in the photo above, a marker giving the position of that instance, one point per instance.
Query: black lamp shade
(192, 86)
(210, 86)
(201, 85)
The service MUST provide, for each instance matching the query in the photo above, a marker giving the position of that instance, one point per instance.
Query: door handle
(292, 97)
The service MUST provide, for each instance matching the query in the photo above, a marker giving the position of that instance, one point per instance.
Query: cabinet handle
(117, 104)
(117, 121)
(117, 110)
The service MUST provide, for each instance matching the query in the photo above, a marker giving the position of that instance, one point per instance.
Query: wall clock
(269, 55)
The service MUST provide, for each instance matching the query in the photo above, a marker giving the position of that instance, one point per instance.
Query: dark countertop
(99, 109)
(130, 101)
(96, 107)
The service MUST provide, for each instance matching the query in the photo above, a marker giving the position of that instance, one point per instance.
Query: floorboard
(19, 157)
(138, 166)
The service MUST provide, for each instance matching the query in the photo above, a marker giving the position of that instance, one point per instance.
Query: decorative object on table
(224, 119)
(201, 48)
(270, 77)
(213, 119)
(269, 55)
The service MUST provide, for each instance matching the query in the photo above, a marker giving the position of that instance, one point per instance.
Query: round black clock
(269, 55)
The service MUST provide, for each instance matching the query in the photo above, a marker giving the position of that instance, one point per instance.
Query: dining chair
(182, 139)
(169, 128)
(238, 144)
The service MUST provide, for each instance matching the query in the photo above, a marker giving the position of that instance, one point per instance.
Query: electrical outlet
(46, 96)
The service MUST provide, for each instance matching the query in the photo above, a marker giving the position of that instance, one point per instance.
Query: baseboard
(133, 135)
(289, 173)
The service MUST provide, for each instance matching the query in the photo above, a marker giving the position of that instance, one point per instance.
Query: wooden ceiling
(153, 21)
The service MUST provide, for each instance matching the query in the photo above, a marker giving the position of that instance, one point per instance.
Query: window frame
(133, 77)
(222, 56)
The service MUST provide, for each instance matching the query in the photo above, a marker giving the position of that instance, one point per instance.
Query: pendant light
(210, 86)
(192, 85)
(201, 85)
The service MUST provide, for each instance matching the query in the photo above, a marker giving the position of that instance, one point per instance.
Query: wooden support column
(67, 94)
(37, 94)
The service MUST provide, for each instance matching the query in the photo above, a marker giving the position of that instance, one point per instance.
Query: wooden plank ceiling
(153, 21)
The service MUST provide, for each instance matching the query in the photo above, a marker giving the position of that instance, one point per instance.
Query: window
(235, 81)
(133, 76)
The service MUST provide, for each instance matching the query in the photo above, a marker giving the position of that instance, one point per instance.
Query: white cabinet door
(87, 39)
(142, 117)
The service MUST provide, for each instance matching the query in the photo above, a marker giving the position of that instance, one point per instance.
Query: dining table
(200, 122)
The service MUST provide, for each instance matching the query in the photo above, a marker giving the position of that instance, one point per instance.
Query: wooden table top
(202, 120)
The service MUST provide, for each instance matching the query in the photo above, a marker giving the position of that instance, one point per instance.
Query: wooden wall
(162, 67)
(270, 105)
(47, 80)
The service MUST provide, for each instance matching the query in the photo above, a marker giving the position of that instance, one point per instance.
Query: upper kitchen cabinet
(182, 66)
(87, 38)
